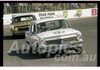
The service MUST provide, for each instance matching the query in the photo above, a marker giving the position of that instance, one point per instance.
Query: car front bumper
(46, 48)
(17, 33)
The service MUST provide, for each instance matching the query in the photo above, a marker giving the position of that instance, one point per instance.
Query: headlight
(79, 36)
(16, 29)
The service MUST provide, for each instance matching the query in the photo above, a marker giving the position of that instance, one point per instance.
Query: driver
(43, 27)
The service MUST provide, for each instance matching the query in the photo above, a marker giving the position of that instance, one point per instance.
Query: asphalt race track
(88, 27)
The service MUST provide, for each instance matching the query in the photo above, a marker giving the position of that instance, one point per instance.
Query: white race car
(53, 33)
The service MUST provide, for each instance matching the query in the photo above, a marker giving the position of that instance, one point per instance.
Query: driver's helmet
(43, 25)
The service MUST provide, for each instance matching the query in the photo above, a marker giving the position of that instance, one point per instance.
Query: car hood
(19, 24)
(58, 33)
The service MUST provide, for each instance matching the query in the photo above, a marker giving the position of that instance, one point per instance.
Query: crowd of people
(33, 7)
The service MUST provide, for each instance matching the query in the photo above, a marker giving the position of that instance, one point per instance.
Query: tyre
(43, 55)
(32, 50)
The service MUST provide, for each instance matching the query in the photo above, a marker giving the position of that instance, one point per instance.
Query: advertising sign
(64, 13)
(94, 12)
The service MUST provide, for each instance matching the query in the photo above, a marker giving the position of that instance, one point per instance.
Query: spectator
(13, 7)
(95, 5)
(79, 5)
(72, 5)
(28, 7)
(20, 6)
(66, 5)
(42, 6)
(56, 4)
(92, 5)
(69, 5)
(30, 4)
(16, 7)
(76, 5)
(39, 7)
(35, 8)
(62, 6)
(49, 6)
(53, 6)
(45, 7)
(24, 7)
(86, 5)
(8, 8)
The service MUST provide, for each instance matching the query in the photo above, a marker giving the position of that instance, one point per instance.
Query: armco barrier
(65, 13)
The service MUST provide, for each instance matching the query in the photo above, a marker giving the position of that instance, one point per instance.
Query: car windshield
(52, 25)
(24, 18)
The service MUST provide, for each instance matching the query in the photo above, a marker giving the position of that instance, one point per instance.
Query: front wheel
(41, 54)
(33, 49)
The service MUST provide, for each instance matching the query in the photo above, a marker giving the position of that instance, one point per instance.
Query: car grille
(70, 39)
(58, 41)
(22, 28)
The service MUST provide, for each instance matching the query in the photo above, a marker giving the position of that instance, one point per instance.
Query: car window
(34, 28)
(24, 18)
(51, 25)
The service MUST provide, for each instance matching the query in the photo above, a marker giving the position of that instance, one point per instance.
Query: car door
(28, 34)
(33, 37)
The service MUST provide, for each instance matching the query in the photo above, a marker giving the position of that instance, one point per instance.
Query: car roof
(47, 19)
(20, 15)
